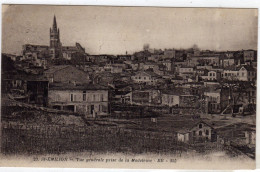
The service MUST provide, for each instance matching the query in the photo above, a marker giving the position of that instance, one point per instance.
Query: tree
(7, 63)
(146, 47)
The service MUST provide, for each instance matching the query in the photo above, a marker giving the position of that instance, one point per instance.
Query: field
(30, 132)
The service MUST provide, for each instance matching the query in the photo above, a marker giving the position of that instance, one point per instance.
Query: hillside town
(181, 99)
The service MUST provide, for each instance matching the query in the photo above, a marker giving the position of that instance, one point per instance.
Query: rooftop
(70, 86)
(54, 69)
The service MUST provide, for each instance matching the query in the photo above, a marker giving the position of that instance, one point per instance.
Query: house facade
(200, 132)
(243, 73)
(248, 55)
(213, 100)
(170, 100)
(147, 77)
(89, 100)
(210, 76)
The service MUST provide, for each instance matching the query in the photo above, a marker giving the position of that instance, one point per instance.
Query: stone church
(55, 50)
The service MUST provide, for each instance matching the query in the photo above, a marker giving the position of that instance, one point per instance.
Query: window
(84, 95)
(243, 73)
(94, 97)
(71, 97)
(101, 98)
(207, 132)
(104, 108)
(144, 78)
(200, 133)
(200, 126)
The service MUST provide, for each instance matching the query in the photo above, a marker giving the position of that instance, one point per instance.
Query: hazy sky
(115, 30)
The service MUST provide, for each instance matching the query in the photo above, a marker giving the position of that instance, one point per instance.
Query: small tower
(55, 44)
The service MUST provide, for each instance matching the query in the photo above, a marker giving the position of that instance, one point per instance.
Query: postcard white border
(152, 3)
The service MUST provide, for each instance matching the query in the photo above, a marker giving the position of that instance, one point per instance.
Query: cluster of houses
(211, 83)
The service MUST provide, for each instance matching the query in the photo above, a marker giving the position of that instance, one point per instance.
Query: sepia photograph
(128, 87)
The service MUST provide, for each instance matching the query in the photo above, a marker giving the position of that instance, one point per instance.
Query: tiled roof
(248, 68)
(53, 69)
(175, 91)
(189, 124)
(25, 77)
(233, 68)
(148, 73)
(212, 89)
(62, 86)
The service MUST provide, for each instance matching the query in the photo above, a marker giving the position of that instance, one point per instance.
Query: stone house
(198, 132)
(213, 99)
(248, 55)
(89, 100)
(147, 77)
(171, 97)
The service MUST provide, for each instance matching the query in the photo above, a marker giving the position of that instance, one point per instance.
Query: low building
(37, 90)
(207, 67)
(177, 80)
(211, 76)
(227, 62)
(198, 132)
(183, 70)
(242, 73)
(171, 97)
(115, 68)
(189, 101)
(248, 55)
(169, 54)
(238, 134)
(150, 65)
(213, 100)
(27, 88)
(146, 96)
(168, 65)
(147, 77)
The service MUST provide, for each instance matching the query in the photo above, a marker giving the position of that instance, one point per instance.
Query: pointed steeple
(54, 26)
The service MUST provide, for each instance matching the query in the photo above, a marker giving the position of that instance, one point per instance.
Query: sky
(115, 30)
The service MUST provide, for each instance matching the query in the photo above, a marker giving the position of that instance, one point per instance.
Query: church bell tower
(55, 44)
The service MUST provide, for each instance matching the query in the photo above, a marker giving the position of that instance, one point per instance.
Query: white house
(210, 76)
(198, 132)
(170, 98)
(147, 77)
(183, 70)
(90, 100)
(243, 73)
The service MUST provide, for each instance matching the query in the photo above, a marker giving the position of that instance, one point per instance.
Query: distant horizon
(143, 50)
(115, 30)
